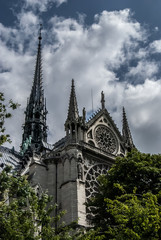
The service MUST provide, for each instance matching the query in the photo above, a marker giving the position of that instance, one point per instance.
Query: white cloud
(144, 69)
(156, 46)
(27, 20)
(42, 5)
(143, 102)
(91, 55)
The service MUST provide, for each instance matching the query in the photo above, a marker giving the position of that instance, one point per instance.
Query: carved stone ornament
(105, 139)
(80, 168)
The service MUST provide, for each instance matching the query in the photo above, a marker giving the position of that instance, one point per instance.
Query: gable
(103, 133)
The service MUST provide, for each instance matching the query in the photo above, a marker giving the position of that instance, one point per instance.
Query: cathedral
(68, 169)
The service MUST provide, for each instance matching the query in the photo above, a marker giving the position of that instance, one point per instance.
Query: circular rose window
(105, 139)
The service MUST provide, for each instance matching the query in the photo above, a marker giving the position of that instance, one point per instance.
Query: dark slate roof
(60, 143)
(9, 157)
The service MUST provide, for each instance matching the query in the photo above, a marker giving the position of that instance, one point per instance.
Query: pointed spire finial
(40, 37)
(126, 131)
(73, 113)
(103, 100)
(73, 83)
(84, 114)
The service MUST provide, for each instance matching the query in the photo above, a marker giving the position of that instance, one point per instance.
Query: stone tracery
(91, 183)
(105, 139)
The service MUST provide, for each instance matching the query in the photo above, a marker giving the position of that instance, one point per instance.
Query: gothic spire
(37, 91)
(35, 127)
(126, 132)
(73, 120)
(73, 113)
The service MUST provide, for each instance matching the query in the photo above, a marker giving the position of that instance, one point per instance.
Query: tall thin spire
(126, 132)
(73, 113)
(35, 120)
(37, 91)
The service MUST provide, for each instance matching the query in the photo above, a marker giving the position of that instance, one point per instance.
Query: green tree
(128, 203)
(4, 114)
(24, 215)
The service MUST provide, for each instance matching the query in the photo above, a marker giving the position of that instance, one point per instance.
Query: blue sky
(109, 45)
(145, 10)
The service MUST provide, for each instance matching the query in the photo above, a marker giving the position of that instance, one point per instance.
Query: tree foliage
(128, 204)
(24, 214)
(4, 114)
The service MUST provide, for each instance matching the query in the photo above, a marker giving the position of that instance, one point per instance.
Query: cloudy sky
(109, 45)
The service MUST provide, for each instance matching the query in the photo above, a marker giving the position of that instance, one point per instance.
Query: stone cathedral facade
(68, 170)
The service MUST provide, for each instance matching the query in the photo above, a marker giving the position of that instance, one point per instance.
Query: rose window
(105, 139)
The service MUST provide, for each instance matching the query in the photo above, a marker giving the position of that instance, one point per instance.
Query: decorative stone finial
(84, 114)
(73, 113)
(103, 100)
